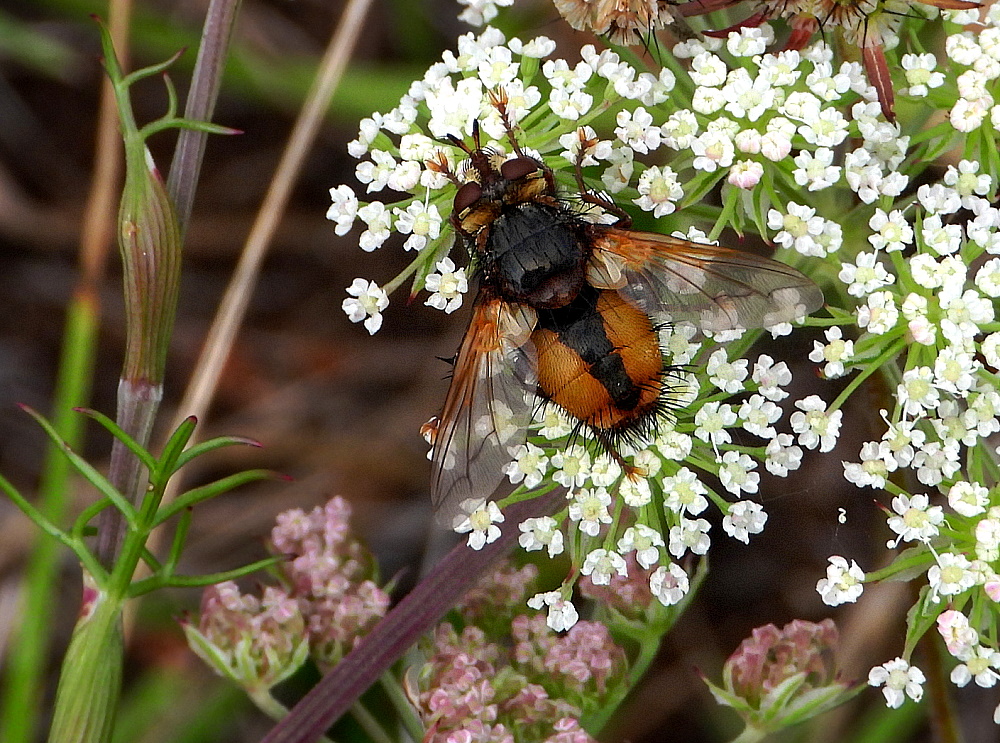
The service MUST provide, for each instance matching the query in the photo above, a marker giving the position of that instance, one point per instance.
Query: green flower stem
(82, 523)
(178, 542)
(274, 709)
(520, 494)
(401, 704)
(875, 366)
(649, 646)
(916, 560)
(728, 213)
(946, 721)
(411, 269)
(90, 683)
(266, 703)
(147, 585)
(610, 538)
(760, 204)
(91, 674)
(150, 244)
(39, 518)
(197, 495)
(369, 724)
(21, 686)
(648, 634)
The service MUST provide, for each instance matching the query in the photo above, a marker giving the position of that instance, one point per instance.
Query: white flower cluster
(798, 150)
(763, 123)
(974, 54)
(898, 680)
(946, 398)
(926, 294)
(937, 316)
(481, 12)
(775, 119)
(977, 660)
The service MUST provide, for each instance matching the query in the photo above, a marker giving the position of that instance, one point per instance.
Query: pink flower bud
(745, 174)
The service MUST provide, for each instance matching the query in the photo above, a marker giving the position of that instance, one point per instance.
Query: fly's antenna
(478, 158)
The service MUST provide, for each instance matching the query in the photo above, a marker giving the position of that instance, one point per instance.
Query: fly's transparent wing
(716, 289)
(487, 410)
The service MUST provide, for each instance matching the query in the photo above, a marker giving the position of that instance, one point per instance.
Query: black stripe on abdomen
(580, 327)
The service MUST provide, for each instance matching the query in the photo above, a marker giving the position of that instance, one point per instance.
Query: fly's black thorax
(535, 254)
(580, 327)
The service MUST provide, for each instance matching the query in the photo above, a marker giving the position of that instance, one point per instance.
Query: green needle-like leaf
(33, 513)
(222, 485)
(211, 445)
(147, 459)
(82, 466)
(177, 545)
(141, 74)
(199, 126)
(173, 450)
(152, 563)
(155, 582)
(86, 516)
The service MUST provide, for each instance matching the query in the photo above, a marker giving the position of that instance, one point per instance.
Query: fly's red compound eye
(467, 196)
(517, 168)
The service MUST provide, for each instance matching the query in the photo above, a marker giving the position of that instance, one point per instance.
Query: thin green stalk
(649, 647)
(30, 642)
(21, 686)
(401, 703)
(274, 709)
(945, 720)
(870, 369)
(370, 724)
(90, 684)
(749, 735)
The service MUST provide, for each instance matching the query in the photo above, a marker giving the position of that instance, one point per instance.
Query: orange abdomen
(599, 358)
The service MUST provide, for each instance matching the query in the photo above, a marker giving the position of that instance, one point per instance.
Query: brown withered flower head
(622, 21)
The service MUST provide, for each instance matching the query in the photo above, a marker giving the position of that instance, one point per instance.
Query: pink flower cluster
(770, 656)
(229, 618)
(582, 661)
(330, 576)
(327, 603)
(480, 688)
(496, 599)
